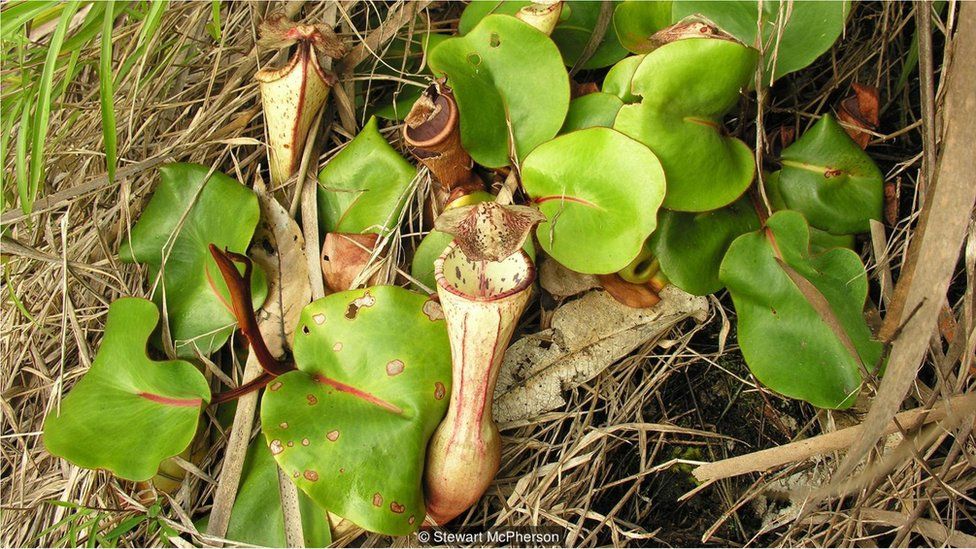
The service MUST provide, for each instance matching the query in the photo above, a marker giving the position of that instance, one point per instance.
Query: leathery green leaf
(680, 119)
(828, 178)
(690, 246)
(504, 72)
(600, 191)
(635, 21)
(128, 413)
(800, 316)
(794, 33)
(257, 518)
(351, 425)
(592, 110)
(363, 188)
(217, 210)
(619, 78)
(577, 22)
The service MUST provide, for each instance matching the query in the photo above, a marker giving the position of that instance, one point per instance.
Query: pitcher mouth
(518, 267)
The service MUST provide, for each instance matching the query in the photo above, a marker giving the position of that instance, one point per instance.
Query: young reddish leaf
(344, 256)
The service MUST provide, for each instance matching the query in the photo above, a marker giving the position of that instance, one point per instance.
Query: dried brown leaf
(587, 336)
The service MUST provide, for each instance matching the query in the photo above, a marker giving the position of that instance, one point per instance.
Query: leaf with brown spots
(258, 496)
(376, 360)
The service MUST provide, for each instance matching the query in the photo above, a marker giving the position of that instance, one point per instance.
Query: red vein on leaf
(169, 401)
(358, 393)
(702, 122)
(564, 198)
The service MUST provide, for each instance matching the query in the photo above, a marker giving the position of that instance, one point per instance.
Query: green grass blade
(214, 25)
(106, 94)
(124, 527)
(71, 70)
(42, 110)
(7, 120)
(153, 18)
(20, 160)
(15, 17)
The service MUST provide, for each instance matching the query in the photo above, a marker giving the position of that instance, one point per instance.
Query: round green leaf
(474, 12)
(363, 188)
(821, 241)
(635, 21)
(800, 316)
(217, 210)
(795, 33)
(600, 191)
(680, 119)
(592, 110)
(690, 246)
(828, 178)
(128, 413)
(257, 519)
(619, 78)
(504, 71)
(572, 33)
(351, 425)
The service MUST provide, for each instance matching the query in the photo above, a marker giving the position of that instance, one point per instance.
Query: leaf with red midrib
(350, 426)
(128, 413)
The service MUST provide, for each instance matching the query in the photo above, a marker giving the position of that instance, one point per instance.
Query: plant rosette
(350, 426)
(680, 119)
